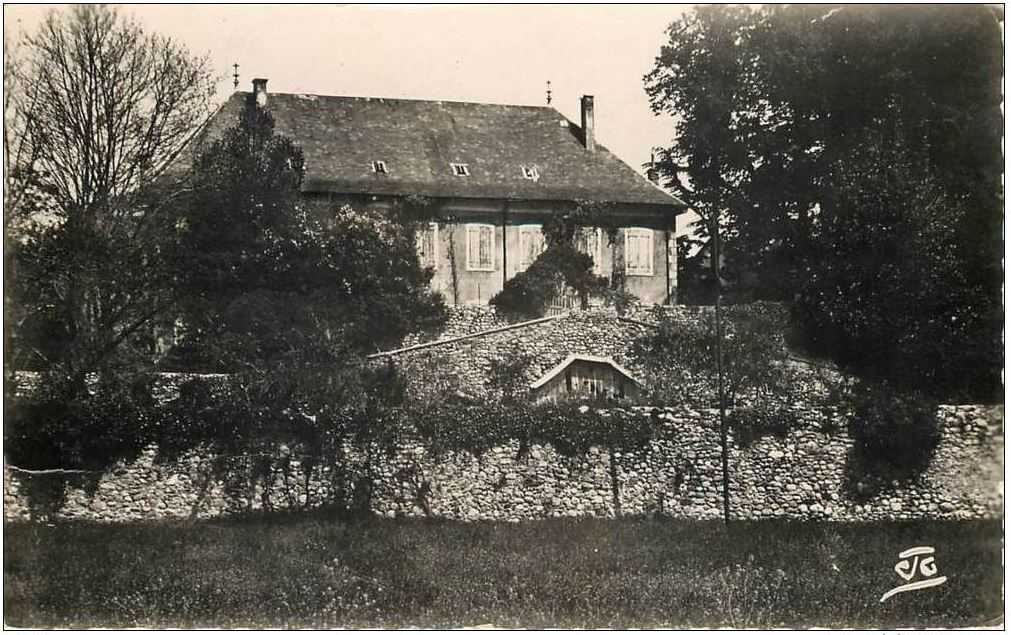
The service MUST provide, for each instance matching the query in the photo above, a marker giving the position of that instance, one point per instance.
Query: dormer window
(379, 167)
(460, 169)
(529, 172)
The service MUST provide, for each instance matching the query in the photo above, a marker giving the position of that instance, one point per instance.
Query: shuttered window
(480, 247)
(531, 245)
(428, 246)
(639, 252)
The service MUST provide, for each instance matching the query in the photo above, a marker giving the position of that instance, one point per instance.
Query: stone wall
(466, 365)
(802, 475)
(805, 474)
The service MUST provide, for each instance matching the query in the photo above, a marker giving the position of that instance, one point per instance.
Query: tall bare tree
(103, 105)
(95, 110)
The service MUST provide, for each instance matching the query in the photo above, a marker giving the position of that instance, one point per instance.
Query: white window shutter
(524, 247)
(428, 245)
(432, 235)
(597, 251)
(473, 238)
(487, 238)
(480, 247)
(629, 252)
(639, 252)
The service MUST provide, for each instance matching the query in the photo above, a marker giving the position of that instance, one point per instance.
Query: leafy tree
(707, 79)
(95, 110)
(285, 296)
(696, 284)
(272, 282)
(899, 301)
(803, 129)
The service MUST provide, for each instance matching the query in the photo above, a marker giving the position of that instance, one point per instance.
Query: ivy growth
(529, 293)
(563, 228)
(562, 267)
(478, 427)
(751, 423)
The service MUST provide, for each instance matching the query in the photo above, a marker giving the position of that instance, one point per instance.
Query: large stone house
(494, 174)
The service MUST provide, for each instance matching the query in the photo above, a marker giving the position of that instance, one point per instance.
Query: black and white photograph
(503, 317)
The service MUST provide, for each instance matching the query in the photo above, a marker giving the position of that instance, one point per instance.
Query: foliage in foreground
(321, 571)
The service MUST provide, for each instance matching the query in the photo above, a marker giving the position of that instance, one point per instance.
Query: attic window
(460, 169)
(379, 167)
(529, 172)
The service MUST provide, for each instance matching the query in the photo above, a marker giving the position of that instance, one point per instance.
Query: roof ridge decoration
(315, 96)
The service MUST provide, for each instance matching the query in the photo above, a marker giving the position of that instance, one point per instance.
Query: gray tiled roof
(342, 136)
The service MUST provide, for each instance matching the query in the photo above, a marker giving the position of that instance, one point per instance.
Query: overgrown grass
(316, 570)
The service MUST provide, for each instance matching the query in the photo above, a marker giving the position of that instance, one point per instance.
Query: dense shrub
(558, 268)
(563, 269)
(50, 423)
(681, 355)
(895, 435)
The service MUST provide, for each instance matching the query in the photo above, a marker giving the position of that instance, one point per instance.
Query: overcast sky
(493, 54)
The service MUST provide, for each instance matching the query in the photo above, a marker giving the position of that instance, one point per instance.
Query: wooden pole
(719, 368)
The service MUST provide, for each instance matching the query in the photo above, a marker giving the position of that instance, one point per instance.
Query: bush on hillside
(895, 435)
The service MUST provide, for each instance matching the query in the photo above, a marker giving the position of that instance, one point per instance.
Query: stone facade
(800, 476)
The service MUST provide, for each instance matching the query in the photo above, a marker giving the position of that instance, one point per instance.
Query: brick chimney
(586, 104)
(260, 92)
(651, 172)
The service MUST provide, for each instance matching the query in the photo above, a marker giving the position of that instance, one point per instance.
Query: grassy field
(315, 570)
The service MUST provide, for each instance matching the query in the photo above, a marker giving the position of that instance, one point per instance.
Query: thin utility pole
(719, 366)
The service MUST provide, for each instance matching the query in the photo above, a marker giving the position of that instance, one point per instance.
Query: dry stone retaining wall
(467, 364)
(799, 476)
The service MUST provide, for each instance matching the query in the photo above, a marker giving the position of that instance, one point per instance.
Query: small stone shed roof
(418, 140)
(554, 372)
